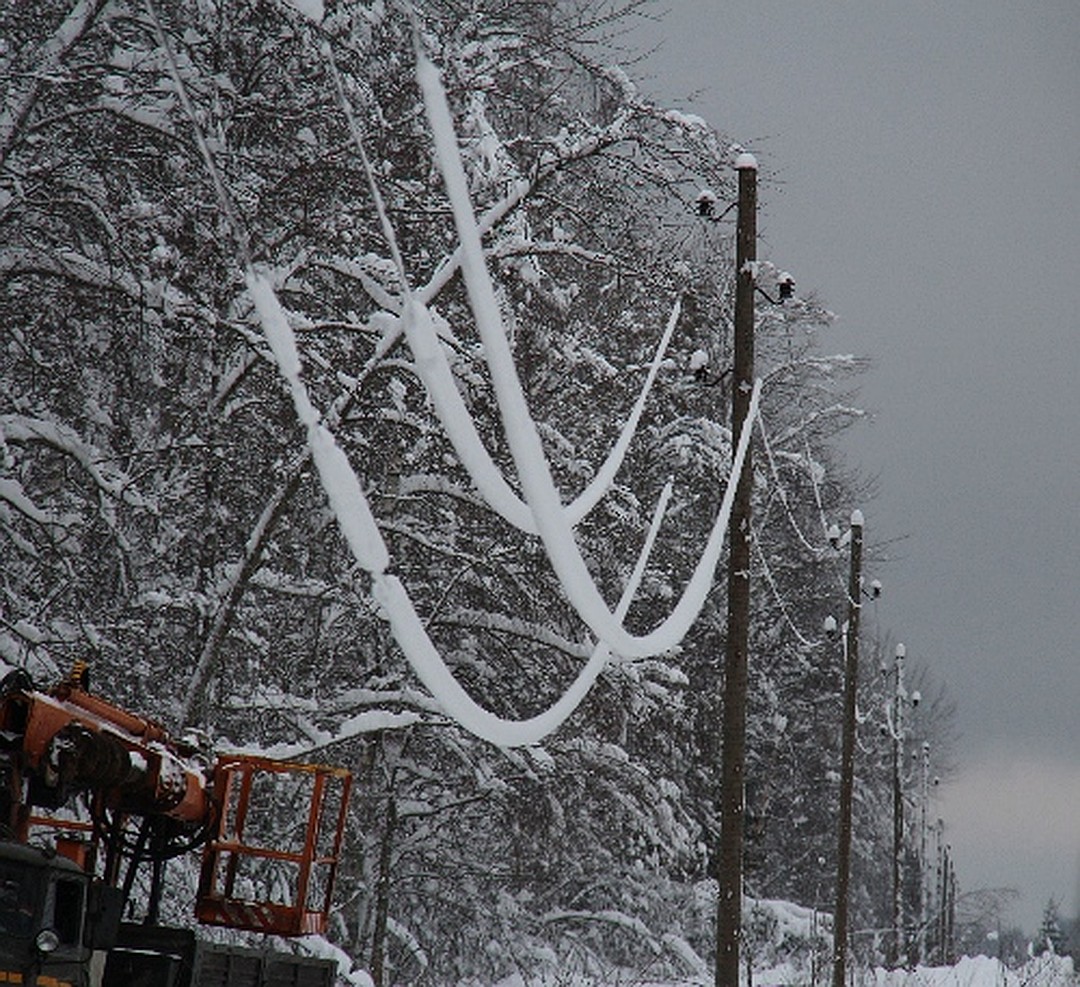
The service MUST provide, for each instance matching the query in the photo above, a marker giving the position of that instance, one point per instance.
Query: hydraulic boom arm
(66, 741)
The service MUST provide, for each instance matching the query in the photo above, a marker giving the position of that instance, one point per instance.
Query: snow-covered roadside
(980, 971)
(971, 971)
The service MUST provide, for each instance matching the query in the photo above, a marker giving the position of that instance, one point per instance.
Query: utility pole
(847, 755)
(733, 757)
(938, 897)
(924, 830)
(950, 916)
(900, 695)
(943, 909)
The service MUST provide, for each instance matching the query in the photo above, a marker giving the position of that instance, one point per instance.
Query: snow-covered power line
(552, 521)
(434, 370)
(353, 512)
(351, 506)
(524, 441)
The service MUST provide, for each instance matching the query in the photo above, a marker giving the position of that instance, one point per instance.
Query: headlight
(47, 941)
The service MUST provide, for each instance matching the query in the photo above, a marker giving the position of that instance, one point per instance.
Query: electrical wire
(353, 511)
(816, 549)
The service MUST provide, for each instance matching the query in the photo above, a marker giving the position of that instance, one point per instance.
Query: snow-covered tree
(161, 515)
(1050, 935)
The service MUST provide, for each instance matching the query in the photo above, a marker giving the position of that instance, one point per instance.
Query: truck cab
(50, 922)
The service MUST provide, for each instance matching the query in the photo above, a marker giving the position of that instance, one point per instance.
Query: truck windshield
(16, 900)
(65, 909)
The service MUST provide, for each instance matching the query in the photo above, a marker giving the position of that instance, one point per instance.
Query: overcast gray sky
(923, 161)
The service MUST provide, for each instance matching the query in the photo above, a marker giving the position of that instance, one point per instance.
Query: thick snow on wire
(524, 441)
(542, 510)
(434, 370)
(338, 478)
(351, 508)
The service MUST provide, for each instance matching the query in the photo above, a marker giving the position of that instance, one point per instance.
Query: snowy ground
(792, 948)
(981, 971)
(978, 971)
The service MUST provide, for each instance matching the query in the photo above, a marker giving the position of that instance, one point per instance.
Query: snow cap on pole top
(857, 519)
(746, 161)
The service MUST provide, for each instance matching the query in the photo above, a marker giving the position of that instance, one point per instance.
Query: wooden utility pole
(733, 758)
(950, 917)
(943, 909)
(847, 755)
(924, 868)
(939, 838)
(897, 948)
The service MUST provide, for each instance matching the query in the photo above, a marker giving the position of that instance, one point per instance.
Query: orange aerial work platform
(273, 871)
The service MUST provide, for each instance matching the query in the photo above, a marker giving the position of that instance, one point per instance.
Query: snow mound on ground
(786, 943)
(1047, 970)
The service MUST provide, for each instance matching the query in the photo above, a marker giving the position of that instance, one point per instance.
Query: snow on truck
(95, 800)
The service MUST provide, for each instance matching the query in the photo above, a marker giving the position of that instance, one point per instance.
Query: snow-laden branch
(76, 266)
(515, 627)
(429, 483)
(823, 365)
(837, 410)
(367, 721)
(341, 704)
(12, 492)
(112, 481)
(66, 263)
(633, 926)
(629, 923)
(18, 105)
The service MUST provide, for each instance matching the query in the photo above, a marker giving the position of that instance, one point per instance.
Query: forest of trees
(160, 516)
